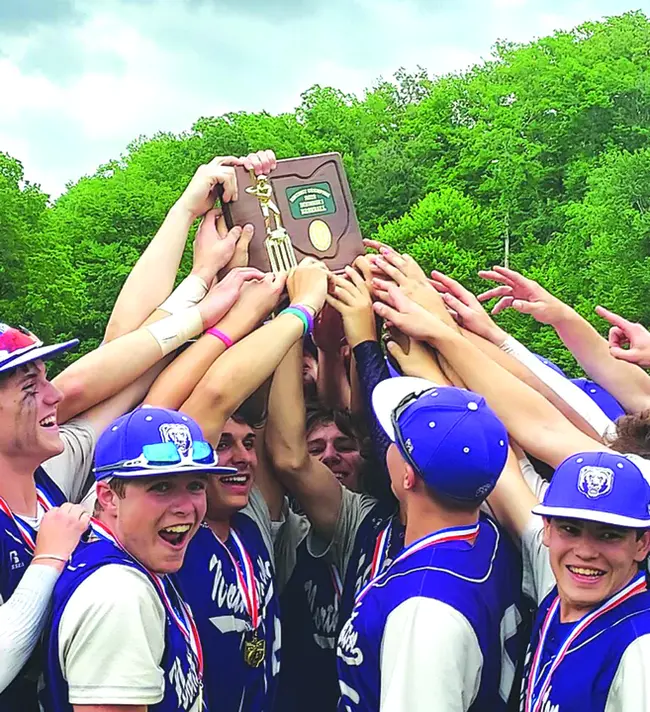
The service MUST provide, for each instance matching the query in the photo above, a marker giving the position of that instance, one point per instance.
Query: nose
(330, 455)
(186, 503)
(584, 549)
(241, 456)
(52, 395)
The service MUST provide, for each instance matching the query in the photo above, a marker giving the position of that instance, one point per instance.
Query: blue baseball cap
(450, 436)
(602, 398)
(154, 441)
(599, 487)
(19, 346)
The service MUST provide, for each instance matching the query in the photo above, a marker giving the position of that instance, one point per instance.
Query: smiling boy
(121, 635)
(590, 648)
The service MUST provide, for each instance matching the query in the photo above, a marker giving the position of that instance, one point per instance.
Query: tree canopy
(546, 145)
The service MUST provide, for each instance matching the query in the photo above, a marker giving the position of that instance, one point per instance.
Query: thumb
(524, 307)
(395, 350)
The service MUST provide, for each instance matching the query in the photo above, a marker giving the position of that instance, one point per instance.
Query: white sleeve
(575, 397)
(71, 468)
(537, 484)
(112, 639)
(22, 618)
(430, 659)
(538, 578)
(630, 689)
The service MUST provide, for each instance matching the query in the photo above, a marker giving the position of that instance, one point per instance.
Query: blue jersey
(16, 555)
(583, 677)
(179, 663)
(212, 586)
(310, 612)
(479, 577)
(366, 555)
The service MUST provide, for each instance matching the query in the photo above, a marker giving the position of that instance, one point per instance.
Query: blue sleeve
(372, 369)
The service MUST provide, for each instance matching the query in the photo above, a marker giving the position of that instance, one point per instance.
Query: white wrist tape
(173, 331)
(188, 293)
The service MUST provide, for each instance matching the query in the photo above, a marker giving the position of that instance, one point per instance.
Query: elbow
(285, 459)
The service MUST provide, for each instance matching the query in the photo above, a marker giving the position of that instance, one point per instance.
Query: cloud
(81, 79)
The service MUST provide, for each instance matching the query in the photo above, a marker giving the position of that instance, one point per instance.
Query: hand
(307, 284)
(627, 333)
(261, 162)
(257, 299)
(523, 295)
(415, 360)
(240, 255)
(409, 317)
(60, 531)
(351, 299)
(214, 245)
(200, 194)
(221, 297)
(404, 271)
(466, 308)
(328, 330)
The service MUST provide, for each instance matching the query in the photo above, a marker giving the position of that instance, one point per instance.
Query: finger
(381, 284)
(338, 304)
(613, 318)
(438, 286)
(279, 280)
(393, 257)
(452, 285)
(457, 305)
(525, 307)
(376, 245)
(233, 235)
(356, 279)
(393, 272)
(226, 176)
(395, 350)
(386, 312)
(344, 285)
(617, 337)
(504, 291)
(271, 160)
(256, 163)
(223, 161)
(502, 304)
(630, 355)
(495, 277)
(515, 277)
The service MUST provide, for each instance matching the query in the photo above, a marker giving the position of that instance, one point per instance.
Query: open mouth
(48, 422)
(585, 572)
(175, 535)
(235, 480)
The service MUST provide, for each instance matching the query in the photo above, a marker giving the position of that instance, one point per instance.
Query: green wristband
(300, 315)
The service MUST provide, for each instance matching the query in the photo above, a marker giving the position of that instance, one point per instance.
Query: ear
(547, 531)
(107, 498)
(409, 478)
(642, 547)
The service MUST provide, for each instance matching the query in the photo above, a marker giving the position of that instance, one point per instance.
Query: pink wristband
(220, 335)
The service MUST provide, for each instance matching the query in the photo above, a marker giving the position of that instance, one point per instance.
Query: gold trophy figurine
(278, 243)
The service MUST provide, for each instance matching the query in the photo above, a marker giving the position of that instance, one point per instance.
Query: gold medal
(254, 650)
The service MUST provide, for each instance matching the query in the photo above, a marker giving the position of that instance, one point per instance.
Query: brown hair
(633, 434)
(118, 485)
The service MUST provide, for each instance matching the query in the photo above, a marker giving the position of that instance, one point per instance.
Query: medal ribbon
(534, 701)
(186, 624)
(456, 534)
(22, 527)
(245, 579)
(381, 550)
(336, 581)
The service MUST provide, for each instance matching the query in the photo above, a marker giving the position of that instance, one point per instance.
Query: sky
(80, 79)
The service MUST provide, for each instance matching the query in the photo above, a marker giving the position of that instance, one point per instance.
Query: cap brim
(39, 353)
(616, 520)
(388, 394)
(163, 472)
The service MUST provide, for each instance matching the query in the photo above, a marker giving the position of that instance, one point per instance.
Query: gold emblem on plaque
(320, 235)
(278, 243)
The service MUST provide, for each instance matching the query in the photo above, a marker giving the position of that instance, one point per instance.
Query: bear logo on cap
(595, 482)
(178, 434)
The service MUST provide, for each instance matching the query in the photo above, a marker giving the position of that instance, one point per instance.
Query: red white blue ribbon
(245, 578)
(533, 702)
(336, 582)
(23, 528)
(185, 623)
(456, 534)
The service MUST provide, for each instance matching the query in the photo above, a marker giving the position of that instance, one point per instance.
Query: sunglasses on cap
(164, 455)
(404, 445)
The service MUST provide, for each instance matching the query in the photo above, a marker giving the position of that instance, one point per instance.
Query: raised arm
(531, 420)
(625, 381)
(110, 368)
(247, 364)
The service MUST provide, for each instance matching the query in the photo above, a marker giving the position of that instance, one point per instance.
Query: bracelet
(307, 314)
(213, 331)
(54, 557)
(306, 326)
